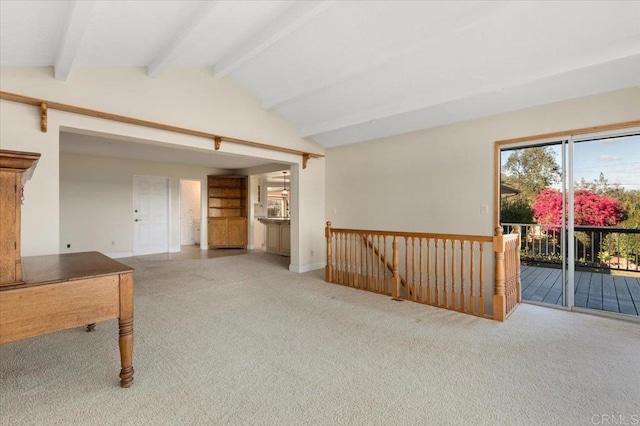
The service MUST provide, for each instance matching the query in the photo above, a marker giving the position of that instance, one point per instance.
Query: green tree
(531, 170)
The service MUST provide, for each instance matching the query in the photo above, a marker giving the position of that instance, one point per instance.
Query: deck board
(593, 290)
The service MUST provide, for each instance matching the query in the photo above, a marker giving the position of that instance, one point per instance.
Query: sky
(618, 158)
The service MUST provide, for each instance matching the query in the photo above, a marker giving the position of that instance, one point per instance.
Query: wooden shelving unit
(227, 211)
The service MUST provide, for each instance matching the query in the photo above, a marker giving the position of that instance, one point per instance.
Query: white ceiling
(147, 151)
(348, 71)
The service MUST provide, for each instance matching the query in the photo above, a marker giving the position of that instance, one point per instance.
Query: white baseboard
(119, 255)
(306, 268)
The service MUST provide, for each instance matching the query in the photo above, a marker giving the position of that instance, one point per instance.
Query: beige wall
(436, 180)
(96, 201)
(183, 97)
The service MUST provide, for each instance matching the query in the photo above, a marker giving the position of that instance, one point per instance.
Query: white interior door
(150, 215)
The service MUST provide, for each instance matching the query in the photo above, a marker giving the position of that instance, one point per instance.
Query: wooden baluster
(328, 271)
(472, 281)
(437, 275)
(406, 268)
(395, 279)
(357, 246)
(339, 256)
(445, 267)
(516, 230)
(365, 261)
(374, 264)
(428, 271)
(381, 267)
(499, 301)
(416, 287)
(481, 302)
(454, 295)
(352, 261)
(385, 290)
(462, 280)
(421, 295)
(345, 251)
(371, 264)
(341, 243)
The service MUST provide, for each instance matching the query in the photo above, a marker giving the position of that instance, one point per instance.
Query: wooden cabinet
(227, 211)
(15, 169)
(227, 232)
(278, 236)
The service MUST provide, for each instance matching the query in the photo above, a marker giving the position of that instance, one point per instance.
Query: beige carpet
(240, 340)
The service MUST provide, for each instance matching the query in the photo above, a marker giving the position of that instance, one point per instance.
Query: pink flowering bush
(591, 209)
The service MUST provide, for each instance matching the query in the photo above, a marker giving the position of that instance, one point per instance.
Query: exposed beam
(177, 42)
(628, 48)
(74, 32)
(293, 18)
(479, 12)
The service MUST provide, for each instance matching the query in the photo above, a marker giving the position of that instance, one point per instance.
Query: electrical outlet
(335, 210)
(311, 253)
(113, 243)
(484, 209)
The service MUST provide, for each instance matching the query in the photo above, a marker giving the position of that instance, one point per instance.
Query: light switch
(484, 209)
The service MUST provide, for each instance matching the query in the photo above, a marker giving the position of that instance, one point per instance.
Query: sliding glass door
(533, 194)
(577, 201)
(606, 217)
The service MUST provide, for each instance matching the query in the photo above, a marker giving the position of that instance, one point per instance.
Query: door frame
(133, 224)
(566, 232)
(571, 136)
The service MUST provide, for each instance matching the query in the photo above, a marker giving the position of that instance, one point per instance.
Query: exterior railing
(443, 270)
(595, 247)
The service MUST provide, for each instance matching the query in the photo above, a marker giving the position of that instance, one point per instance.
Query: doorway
(577, 202)
(150, 215)
(190, 212)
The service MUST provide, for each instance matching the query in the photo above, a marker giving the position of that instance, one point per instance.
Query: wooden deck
(611, 293)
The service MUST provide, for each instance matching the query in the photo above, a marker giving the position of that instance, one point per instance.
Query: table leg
(125, 326)
(91, 327)
(126, 352)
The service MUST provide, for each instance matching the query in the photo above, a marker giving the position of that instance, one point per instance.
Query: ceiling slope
(348, 71)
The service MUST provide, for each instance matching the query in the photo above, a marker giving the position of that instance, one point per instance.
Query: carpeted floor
(241, 340)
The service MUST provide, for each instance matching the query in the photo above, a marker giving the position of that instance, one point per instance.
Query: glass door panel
(533, 193)
(606, 210)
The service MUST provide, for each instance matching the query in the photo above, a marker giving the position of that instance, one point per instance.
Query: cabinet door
(9, 227)
(285, 239)
(218, 232)
(237, 232)
(273, 238)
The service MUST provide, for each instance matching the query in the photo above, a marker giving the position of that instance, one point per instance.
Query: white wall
(185, 97)
(436, 180)
(96, 199)
(189, 210)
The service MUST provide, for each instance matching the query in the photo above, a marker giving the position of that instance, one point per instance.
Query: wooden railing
(507, 292)
(443, 270)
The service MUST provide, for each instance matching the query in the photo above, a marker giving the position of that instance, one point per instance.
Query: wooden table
(70, 290)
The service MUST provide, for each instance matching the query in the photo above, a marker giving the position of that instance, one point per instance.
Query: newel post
(395, 279)
(328, 270)
(516, 230)
(499, 301)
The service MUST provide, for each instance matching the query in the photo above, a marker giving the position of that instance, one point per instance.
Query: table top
(68, 267)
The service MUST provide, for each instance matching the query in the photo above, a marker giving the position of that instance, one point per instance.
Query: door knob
(137, 220)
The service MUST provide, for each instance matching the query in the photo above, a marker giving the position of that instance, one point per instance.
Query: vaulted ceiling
(348, 71)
